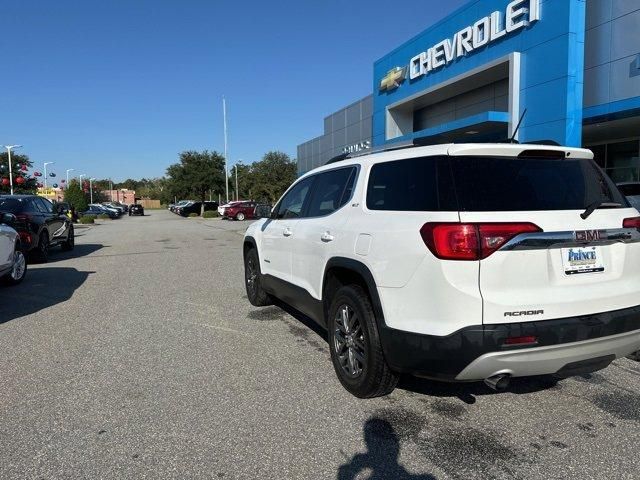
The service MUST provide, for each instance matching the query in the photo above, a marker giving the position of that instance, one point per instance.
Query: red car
(239, 210)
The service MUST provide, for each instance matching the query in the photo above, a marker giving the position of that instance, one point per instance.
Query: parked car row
(113, 209)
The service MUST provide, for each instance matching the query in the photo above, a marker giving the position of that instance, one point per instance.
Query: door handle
(287, 232)
(326, 237)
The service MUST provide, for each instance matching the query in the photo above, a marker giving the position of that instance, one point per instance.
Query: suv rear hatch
(557, 238)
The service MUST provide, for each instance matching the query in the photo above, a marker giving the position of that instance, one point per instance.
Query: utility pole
(68, 170)
(226, 171)
(9, 147)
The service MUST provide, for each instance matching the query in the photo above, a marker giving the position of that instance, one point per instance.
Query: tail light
(25, 238)
(470, 241)
(631, 222)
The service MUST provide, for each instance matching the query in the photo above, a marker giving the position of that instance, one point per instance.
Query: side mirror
(263, 211)
(7, 218)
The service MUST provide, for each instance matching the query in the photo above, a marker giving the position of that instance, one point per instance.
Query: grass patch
(210, 214)
(87, 219)
(193, 215)
(104, 216)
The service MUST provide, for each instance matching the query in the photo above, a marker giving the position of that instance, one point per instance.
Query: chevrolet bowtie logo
(393, 79)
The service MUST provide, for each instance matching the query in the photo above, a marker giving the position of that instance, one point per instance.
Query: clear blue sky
(118, 88)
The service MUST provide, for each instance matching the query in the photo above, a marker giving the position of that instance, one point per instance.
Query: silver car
(13, 265)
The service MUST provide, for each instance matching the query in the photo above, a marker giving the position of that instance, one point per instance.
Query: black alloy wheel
(356, 350)
(253, 280)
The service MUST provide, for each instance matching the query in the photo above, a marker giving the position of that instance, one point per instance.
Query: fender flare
(363, 271)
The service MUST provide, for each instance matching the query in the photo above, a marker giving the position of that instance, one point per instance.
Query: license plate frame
(582, 260)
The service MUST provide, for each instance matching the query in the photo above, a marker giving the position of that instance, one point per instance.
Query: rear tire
(42, 250)
(635, 356)
(19, 270)
(240, 216)
(70, 242)
(356, 351)
(253, 280)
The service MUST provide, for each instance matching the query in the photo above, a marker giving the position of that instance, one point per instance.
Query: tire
(354, 342)
(42, 250)
(70, 242)
(635, 356)
(19, 270)
(253, 280)
(240, 216)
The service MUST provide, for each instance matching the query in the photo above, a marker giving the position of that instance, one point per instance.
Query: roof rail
(362, 153)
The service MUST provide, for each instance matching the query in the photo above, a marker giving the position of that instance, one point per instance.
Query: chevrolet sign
(519, 14)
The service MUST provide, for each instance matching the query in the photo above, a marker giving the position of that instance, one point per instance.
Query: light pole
(68, 170)
(91, 189)
(9, 147)
(80, 181)
(45, 173)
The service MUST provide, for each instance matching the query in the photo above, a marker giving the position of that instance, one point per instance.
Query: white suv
(461, 262)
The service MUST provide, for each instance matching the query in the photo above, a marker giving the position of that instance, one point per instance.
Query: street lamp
(9, 147)
(80, 177)
(45, 173)
(68, 170)
(91, 189)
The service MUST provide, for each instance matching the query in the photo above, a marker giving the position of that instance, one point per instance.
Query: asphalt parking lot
(137, 355)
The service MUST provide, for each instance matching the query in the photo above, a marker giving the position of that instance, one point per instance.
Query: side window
(33, 205)
(415, 184)
(332, 190)
(292, 203)
(45, 205)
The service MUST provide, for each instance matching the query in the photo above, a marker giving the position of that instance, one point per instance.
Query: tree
(197, 173)
(26, 184)
(75, 196)
(271, 176)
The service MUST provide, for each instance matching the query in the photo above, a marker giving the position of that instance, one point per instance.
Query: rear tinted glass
(11, 205)
(415, 184)
(512, 184)
(631, 189)
(331, 191)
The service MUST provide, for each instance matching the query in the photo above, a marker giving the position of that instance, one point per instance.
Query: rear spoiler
(518, 150)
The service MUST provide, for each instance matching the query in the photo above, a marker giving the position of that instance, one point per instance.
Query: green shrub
(87, 219)
(193, 215)
(104, 216)
(210, 214)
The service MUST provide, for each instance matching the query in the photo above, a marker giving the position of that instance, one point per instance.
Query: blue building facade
(568, 69)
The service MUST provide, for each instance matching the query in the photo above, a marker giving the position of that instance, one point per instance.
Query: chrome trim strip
(547, 240)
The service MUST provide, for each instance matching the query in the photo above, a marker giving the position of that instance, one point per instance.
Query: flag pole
(226, 171)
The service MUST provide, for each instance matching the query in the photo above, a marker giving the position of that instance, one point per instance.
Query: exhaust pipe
(498, 382)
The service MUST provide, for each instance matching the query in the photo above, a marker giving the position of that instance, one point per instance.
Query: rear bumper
(478, 352)
(552, 359)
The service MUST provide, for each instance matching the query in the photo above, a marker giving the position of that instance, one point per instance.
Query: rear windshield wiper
(599, 204)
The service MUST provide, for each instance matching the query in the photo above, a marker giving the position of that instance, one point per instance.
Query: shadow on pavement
(42, 288)
(466, 392)
(82, 250)
(381, 457)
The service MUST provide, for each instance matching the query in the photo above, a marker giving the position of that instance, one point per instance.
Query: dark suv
(195, 207)
(40, 224)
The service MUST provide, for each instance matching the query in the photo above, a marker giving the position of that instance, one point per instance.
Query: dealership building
(568, 69)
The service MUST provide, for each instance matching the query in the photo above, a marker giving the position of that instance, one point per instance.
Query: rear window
(484, 184)
(512, 184)
(11, 205)
(631, 189)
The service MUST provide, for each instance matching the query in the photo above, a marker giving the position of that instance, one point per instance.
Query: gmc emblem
(589, 235)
